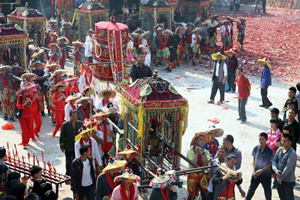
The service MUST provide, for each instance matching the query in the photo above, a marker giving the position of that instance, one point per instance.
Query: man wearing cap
(66, 31)
(219, 77)
(38, 69)
(128, 188)
(84, 138)
(179, 36)
(198, 182)
(83, 110)
(68, 132)
(243, 93)
(232, 65)
(241, 31)
(54, 54)
(169, 53)
(50, 68)
(105, 182)
(224, 184)
(36, 115)
(188, 41)
(226, 35)
(196, 42)
(16, 72)
(213, 144)
(105, 97)
(7, 94)
(71, 100)
(162, 189)
(78, 55)
(265, 82)
(72, 85)
(160, 45)
(26, 119)
(59, 103)
(132, 157)
(212, 33)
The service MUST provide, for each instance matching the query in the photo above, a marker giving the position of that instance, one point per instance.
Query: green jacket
(67, 135)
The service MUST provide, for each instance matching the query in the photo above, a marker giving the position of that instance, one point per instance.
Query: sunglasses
(73, 93)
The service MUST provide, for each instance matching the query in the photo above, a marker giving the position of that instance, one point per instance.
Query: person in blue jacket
(265, 82)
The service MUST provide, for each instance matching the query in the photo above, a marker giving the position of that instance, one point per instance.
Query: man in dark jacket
(223, 185)
(232, 65)
(139, 70)
(219, 77)
(67, 139)
(265, 83)
(83, 175)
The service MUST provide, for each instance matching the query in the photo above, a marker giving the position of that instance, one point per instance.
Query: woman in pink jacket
(274, 135)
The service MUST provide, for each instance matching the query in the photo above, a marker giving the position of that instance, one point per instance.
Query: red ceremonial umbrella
(110, 47)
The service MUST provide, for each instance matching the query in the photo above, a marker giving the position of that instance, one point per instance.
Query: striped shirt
(242, 28)
(138, 72)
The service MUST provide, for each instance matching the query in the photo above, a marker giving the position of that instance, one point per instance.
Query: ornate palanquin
(31, 21)
(191, 9)
(13, 41)
(65, 6)
(156, 11)
(154, 108)
(87, 15)
(110, 48)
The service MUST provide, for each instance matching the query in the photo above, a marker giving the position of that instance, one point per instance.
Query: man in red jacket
(59, 103)
(244, 89)
(72, 85)
(36, 115)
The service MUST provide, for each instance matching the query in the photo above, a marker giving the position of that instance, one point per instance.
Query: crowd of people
(85, 116)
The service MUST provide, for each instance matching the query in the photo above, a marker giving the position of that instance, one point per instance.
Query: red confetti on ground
(274, 36)
(214, 120)
(225, 108)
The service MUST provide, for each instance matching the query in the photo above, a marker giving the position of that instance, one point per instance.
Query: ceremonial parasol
(110, 47)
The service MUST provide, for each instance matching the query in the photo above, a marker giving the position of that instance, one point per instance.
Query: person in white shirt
(105, 97)
(146, 47)
(88, 48)
(226, 35)
(83, 175)
(196, 41)
(85, 78)
(128, 188)
(71, 100)
(85, 139)
(219, 77)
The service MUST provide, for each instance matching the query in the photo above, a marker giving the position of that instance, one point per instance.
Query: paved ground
(193, 82)
(199, 85)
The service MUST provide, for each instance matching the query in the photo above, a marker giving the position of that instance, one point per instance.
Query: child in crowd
(213, 144)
